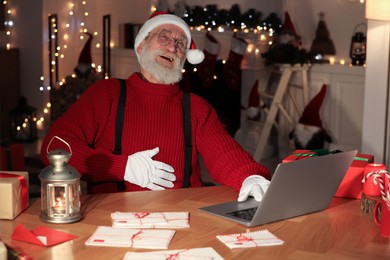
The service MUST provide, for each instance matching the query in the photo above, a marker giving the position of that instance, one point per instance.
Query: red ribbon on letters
(23, 185)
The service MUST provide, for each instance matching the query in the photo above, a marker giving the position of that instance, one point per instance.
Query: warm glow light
(378, 10)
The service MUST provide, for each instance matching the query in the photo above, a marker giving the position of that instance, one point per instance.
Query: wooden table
(342, 231)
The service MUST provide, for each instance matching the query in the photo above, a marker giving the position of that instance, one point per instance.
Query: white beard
(304, 133)
(161, 73)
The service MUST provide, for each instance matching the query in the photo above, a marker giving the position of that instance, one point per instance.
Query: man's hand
(254, 185)
(142, 170)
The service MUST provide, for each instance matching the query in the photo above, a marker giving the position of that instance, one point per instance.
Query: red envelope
(53, 237)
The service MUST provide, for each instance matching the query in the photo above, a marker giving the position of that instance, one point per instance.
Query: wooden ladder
(286, 71)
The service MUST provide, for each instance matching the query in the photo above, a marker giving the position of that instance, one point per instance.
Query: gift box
(351, 186)
(302, 154)
(13, 193)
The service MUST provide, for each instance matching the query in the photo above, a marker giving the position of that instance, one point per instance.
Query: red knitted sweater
(152, 118)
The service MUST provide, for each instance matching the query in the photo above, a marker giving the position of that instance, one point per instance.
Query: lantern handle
(59, 138)
(359, 25)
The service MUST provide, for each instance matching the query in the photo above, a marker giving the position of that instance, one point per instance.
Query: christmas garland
(211, 17)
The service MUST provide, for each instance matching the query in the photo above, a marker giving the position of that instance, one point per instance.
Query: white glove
(147, 173)
(254, 185)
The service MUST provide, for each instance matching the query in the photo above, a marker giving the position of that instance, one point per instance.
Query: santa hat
(309, 132)
(288, 26)
(194, 56)
(310, 115)
(85, 55)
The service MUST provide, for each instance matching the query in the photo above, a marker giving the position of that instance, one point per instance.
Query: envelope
(41, 235)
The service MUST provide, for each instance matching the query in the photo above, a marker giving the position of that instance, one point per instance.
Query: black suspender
(186, 125)
(187, 139)
(120, 117)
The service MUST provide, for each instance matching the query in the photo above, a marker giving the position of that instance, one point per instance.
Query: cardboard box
(14, 193)
(351, 186)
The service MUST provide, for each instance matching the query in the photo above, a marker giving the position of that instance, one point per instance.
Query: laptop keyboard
(246, 214)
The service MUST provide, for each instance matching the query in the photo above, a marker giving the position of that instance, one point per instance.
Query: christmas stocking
(232, 70)
(206, 68)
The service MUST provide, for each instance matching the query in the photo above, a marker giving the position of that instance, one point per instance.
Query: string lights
(72, 26)
(8, 23)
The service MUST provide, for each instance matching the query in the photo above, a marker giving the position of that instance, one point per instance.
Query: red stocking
(206, 68)
(232, 70)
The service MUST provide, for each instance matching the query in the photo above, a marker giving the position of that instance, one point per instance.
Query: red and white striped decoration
(379, 178)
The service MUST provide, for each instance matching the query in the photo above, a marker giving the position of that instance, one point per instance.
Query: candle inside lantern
(59, 205)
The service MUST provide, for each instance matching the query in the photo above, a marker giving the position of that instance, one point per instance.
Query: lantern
(357, 51)
(60, 188)
(24, 122)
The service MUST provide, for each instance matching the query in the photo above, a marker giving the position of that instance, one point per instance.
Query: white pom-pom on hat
(194, 56)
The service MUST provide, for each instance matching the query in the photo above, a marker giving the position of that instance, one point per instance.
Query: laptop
(297, 188)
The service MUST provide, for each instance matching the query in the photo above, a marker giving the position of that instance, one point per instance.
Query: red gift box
(299, 154)
(351, 186)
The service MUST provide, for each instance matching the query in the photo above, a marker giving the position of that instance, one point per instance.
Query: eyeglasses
(164, 38)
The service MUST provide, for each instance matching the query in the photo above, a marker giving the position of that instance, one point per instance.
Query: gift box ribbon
(23, 184)
(316, 153)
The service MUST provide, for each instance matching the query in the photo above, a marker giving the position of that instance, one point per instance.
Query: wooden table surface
(342, 231)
